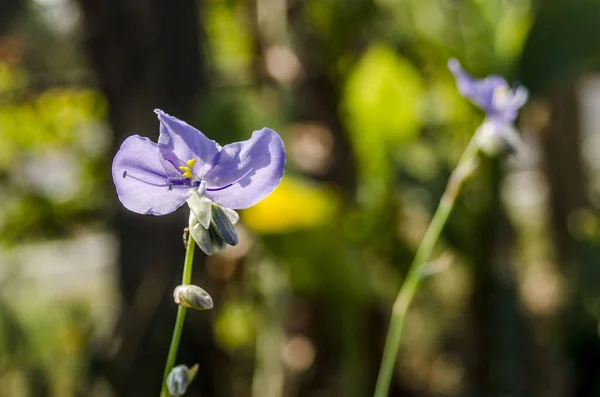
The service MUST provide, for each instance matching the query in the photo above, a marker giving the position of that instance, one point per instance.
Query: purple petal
(480, 92)
(248, 171)
(518, 98)
(141, 179)
(180, 142)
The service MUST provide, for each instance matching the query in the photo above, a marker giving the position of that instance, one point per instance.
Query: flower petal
(480, 92)
(180, 142)
(518, 98)
(248, 171)
(141, 179)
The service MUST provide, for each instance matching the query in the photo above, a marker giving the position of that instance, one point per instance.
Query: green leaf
(381, 103)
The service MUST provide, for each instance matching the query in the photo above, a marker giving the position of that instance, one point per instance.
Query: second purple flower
(499, 101)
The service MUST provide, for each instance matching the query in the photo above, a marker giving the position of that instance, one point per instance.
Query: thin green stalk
(415, 276)
(186, 279)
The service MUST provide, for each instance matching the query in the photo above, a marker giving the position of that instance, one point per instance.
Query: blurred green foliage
(334, 260)
(52, 160)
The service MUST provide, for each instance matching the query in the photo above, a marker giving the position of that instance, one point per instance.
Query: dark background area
(373, 125)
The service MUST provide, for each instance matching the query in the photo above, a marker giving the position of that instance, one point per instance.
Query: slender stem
(186, 279)
(466, 165)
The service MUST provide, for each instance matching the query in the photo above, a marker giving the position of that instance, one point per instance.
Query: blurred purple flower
(498, 100)
(492, 94)
(158, 178)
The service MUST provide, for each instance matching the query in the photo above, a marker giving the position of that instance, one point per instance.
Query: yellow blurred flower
(293, 205)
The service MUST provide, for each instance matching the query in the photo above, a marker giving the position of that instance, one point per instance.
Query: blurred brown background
(373, 125)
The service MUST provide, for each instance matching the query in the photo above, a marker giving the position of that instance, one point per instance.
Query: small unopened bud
(223, 224)
(180, 378)
(200, 235)
(496, 137)
(192, 297)
(185, 236)
(437, 265)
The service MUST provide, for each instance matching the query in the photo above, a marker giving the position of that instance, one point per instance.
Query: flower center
(187, 171)
(195, 182)
(501, 97)
(190, 180)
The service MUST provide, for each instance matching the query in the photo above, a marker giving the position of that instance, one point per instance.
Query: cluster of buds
(191, 297)
(211, 225)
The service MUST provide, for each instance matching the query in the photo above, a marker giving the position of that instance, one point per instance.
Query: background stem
(186, 279)
(465, 167)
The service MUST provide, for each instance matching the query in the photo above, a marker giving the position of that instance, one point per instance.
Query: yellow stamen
(501, 92)
(187, 171)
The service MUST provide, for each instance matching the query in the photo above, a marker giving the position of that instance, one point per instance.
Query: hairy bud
(192, 297)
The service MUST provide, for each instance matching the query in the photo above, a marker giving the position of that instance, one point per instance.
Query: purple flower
(498, 100)
(185, 165)
(158, 178)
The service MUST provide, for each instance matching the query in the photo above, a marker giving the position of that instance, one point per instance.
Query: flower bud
(200, 235)
(437, 265)
(192, 297)
(223, 224)
(180, 378)
(201, 207)
(495, 138)
(213, 234)
(218, 242)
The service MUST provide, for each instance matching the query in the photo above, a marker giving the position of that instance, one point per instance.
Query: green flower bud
(212, 235)
(192, 297)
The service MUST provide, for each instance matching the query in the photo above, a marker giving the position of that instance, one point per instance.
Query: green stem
(186, 279)
(415, 276)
